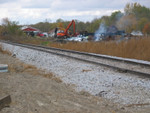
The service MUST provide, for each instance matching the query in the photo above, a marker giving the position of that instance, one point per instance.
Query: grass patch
(45, 43)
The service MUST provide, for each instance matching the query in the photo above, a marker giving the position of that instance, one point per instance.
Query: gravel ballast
(119, 87)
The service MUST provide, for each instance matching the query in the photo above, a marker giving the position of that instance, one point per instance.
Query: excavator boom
(66, 30)
(72, 22)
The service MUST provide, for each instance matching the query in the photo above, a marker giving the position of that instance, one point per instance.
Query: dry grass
(85, 93)
(51, 76)
(20, 67)
(86, 70)
(4, 51)
(143, 104)
(134, 48)
(137, 48)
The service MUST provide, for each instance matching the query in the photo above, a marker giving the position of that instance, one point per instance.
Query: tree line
(135, 17)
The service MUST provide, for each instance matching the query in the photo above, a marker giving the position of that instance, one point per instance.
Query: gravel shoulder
(32, 91)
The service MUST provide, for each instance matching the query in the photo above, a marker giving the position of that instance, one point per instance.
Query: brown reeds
(137, 48)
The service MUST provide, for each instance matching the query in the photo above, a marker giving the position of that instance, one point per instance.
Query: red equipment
(65, 33)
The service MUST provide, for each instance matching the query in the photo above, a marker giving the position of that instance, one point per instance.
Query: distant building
(30, 30)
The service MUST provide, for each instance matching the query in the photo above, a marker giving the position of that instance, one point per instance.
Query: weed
(45, 43)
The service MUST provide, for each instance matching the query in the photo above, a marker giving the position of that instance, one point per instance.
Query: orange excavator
(65, 33)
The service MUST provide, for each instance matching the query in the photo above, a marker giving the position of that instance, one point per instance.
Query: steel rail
(46, 49)
(90, 54)
(94, 55)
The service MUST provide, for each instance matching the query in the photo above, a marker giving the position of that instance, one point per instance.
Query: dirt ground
(33, 91)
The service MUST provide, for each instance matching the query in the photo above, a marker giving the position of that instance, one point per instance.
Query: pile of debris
(108, 33)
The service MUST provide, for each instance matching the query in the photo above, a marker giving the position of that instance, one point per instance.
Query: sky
(33, 11)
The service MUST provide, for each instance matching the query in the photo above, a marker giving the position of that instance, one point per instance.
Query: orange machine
(65, 33)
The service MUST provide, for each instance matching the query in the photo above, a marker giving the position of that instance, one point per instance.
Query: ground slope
(34, 92)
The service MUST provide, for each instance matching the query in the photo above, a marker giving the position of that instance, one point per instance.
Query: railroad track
(136, 67)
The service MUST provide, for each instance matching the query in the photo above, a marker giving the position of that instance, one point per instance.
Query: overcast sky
(34, 11)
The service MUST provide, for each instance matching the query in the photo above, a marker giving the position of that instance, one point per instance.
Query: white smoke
(99, 32)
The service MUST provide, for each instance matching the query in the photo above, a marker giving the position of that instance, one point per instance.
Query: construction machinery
(65, 33)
